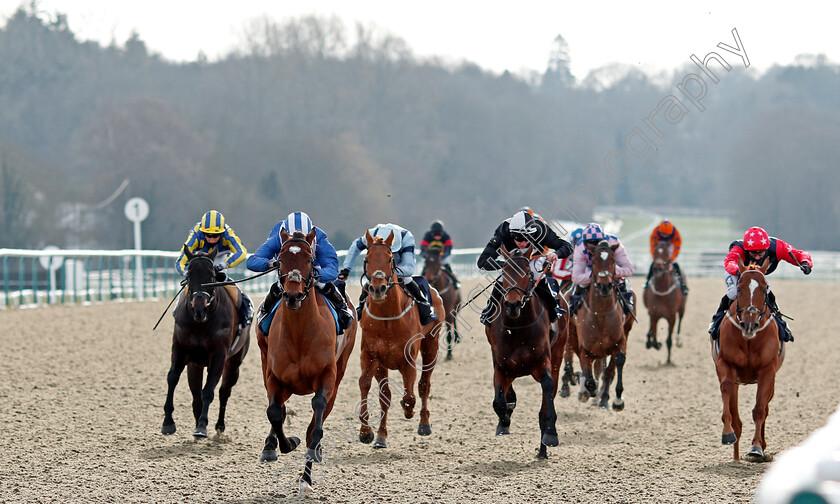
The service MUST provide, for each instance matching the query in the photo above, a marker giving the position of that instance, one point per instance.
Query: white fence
(37, 277)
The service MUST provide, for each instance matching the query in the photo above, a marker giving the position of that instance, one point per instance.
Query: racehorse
(392, 337)
(664, 298)
(600, 330)
(748, 351)
(206, 322)
(301, 353)
(449, 293)
(524, 344)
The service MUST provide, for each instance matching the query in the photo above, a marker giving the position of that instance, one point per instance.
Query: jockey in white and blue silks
(404, 263)
(326, 262)
(582, 267)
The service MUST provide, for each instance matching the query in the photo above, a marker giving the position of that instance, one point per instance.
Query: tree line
(362, 132)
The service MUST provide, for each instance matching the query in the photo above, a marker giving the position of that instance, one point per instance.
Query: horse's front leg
(671, 320)
(606, 381)
(619, 358)
(384, 404)
(764, 393)
(276, 413)
(501, 385)
(587, 382)
(548, 415)
(651, 336)
(214, 374)
(429, 350)
(179, 361)
(729, 395)
(314, 435)
(368, 367)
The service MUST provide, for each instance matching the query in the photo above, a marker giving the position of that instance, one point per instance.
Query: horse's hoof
(313, 455)
(424, 430)
(604, 404)
(305, 489)
(366, 438)
(294, 441)
(583, 397)
(678, 342)
(268, 456)
(756, 454)
(380, 443)
(648, 344)
(220, 428)
(565, 391)
(543, 454)
(502, 430)
(728, 439)
(550, 439)
(200, 432)
(168, 429)
(449, 356)
(657, 345)
(618, 404)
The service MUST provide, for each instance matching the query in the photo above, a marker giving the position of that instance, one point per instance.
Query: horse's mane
(753, 267)
(378, 239)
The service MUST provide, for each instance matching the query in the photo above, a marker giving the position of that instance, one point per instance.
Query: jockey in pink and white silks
(582, 267)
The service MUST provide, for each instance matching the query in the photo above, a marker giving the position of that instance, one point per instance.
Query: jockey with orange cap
(668, 234)
(754, 249)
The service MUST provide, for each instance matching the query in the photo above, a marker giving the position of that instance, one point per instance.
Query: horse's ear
(390, 240)
(311, 237)
(590, 247)
(765, 265)
(283, 235)
(368, 237)
(187, 252)
(741, 266)
(614, 247)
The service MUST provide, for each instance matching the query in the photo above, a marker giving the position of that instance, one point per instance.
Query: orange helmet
(665, 230)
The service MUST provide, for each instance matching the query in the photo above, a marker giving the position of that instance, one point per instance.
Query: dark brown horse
(748, 351)
(206, 323)
(301, 354)
(392, 337)
(664, 298)
(523, 344)
(600, 330)
(449, 293)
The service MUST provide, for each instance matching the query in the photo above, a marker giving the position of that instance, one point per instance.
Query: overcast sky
(497, 36)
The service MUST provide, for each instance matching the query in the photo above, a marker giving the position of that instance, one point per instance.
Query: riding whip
(170, 304)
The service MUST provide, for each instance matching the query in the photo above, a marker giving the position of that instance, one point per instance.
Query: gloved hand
(344, 273)
(805, 268)
(274, 263)
(220, 267)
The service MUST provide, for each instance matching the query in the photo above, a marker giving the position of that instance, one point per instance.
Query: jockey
(667, 233)
(753, 249)
(436, 236)
(210, 233)
(582, 267)
(522, 231)
(404, 262)
(562, 269)
(326, 262)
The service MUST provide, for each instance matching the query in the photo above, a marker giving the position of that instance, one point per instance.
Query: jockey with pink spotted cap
(582, 267)
(754, 248)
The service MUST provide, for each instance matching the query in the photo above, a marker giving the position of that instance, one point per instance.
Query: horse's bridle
(295, 276)
(749, 309)
(667, 267)
(210, 296)
(527, 293)
(437, 276)
(380, 273)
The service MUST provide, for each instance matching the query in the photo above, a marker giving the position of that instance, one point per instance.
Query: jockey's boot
(717, 318)
(427, 315)
(345, 316)
(246, 311)
(627, 298)
(784, 330)
(544, 291)
(681, 278)
(271, 299)
(362, 297)
(493, 308)
(451, 274)
(650, 274)
(576, 298)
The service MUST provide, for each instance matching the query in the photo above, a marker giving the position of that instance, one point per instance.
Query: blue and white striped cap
(593, 232)
(297, 221)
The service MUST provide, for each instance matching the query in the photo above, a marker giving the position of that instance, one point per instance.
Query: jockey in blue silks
(326, 262)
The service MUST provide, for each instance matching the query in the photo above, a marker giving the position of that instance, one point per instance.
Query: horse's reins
(390, 284)
(183, 285)
(749, 309)
(670, 289)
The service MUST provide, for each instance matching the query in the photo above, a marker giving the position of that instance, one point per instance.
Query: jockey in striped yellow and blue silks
(229, 248)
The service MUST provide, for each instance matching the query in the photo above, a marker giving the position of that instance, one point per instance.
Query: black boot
(427, 315)
(271, 299)
(626, 298)
(545, 293)
(650, 274)
(784, 330)
(717, 318)
(345, 316)
(246, 311)
(680, 277)
(492, 310)
(576, 299)
(451, 274)
(361, 306)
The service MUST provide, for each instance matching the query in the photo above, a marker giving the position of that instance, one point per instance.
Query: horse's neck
(601, 303)
(296, 322)
(663, 280)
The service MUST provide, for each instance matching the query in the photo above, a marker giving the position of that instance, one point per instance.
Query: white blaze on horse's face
(294, 250)
(753, 287)
(604, 255)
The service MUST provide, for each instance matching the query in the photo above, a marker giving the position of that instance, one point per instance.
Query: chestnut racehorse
(664, 298)
(599, 330)
(449, 293)
(748, 351)
(392, 337)
(301, 353)
(524, 344)
(206, 322)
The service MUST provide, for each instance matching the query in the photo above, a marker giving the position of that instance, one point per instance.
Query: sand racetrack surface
(82, 390)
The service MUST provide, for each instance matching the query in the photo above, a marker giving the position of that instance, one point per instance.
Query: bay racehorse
(392, 338)
(523, 343)
(449, 293)
(205, 335)
(664, 298)
(599, 330)
(301, 353)
(748, 351)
